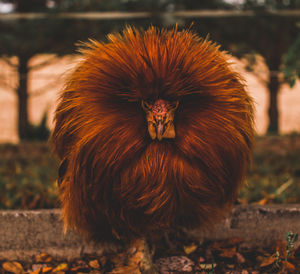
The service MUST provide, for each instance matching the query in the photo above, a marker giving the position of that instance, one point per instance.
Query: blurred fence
(125, 15)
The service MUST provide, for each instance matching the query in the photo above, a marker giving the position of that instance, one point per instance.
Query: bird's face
(160, 118)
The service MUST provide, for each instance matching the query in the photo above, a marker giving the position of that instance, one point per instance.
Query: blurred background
(38, 49)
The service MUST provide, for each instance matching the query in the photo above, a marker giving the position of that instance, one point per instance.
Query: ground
(185, 256)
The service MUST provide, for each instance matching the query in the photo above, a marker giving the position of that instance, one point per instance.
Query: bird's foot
(136, 260)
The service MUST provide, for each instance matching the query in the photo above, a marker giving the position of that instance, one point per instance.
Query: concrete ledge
(257, 225)
(24, 233)
(27, 233)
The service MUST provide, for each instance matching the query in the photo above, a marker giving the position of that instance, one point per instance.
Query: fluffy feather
(118, 183)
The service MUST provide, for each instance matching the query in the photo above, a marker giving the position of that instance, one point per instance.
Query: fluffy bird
(154, 129)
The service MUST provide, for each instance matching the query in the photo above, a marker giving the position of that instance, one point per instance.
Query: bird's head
(160, 118)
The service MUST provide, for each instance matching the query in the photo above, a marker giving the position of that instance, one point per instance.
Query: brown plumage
(154, 130)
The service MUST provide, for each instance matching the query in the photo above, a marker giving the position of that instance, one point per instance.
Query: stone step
(24, 233)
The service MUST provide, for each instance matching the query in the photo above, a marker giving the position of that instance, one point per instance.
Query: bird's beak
(160, 128)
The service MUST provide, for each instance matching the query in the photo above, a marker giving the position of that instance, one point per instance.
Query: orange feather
(117, 182)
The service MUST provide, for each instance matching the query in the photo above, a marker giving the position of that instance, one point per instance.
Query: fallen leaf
(61, 267)
(218, 245)
(280, 246)
(81, 263)
(43, 258)
(175, 264)
(288, 266)
(207, 266)
(260, 258)
(263, 201)
(103, 261)
(268, 261)
(190, 248)
(13, 267)
(46, 269)
(201, 260)
(79, 268)
(38, 271)
(240, 258)
(38, 266)
(228, 253)
(242, 201)
(94, 264)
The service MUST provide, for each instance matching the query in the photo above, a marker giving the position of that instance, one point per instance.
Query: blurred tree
(267, 35)
(137, 5)
(291, 68)
(87, 5)
(204, 4)
(271, 4)
(27, 38)
(30, 5)
(271, 37)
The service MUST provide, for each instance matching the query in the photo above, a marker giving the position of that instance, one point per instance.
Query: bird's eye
(146, 106)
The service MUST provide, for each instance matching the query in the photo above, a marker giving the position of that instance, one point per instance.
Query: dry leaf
(61, 267)
(201, 260)
(240, 258)
(38, 271)
(94, 264)
(38, 266)
(288, 266)
(47, 269)
(79, 268)
(243, 201)
(190, 248)
(280, 246)
(13, 267)
(207, 266)
(260, 258)
(228, 253)
(218, 245)
(268, 261)
(43, 258)
(103, 261)
(263, 201)
(81, 263)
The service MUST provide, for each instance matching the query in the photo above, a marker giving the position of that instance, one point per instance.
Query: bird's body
(155, 130)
